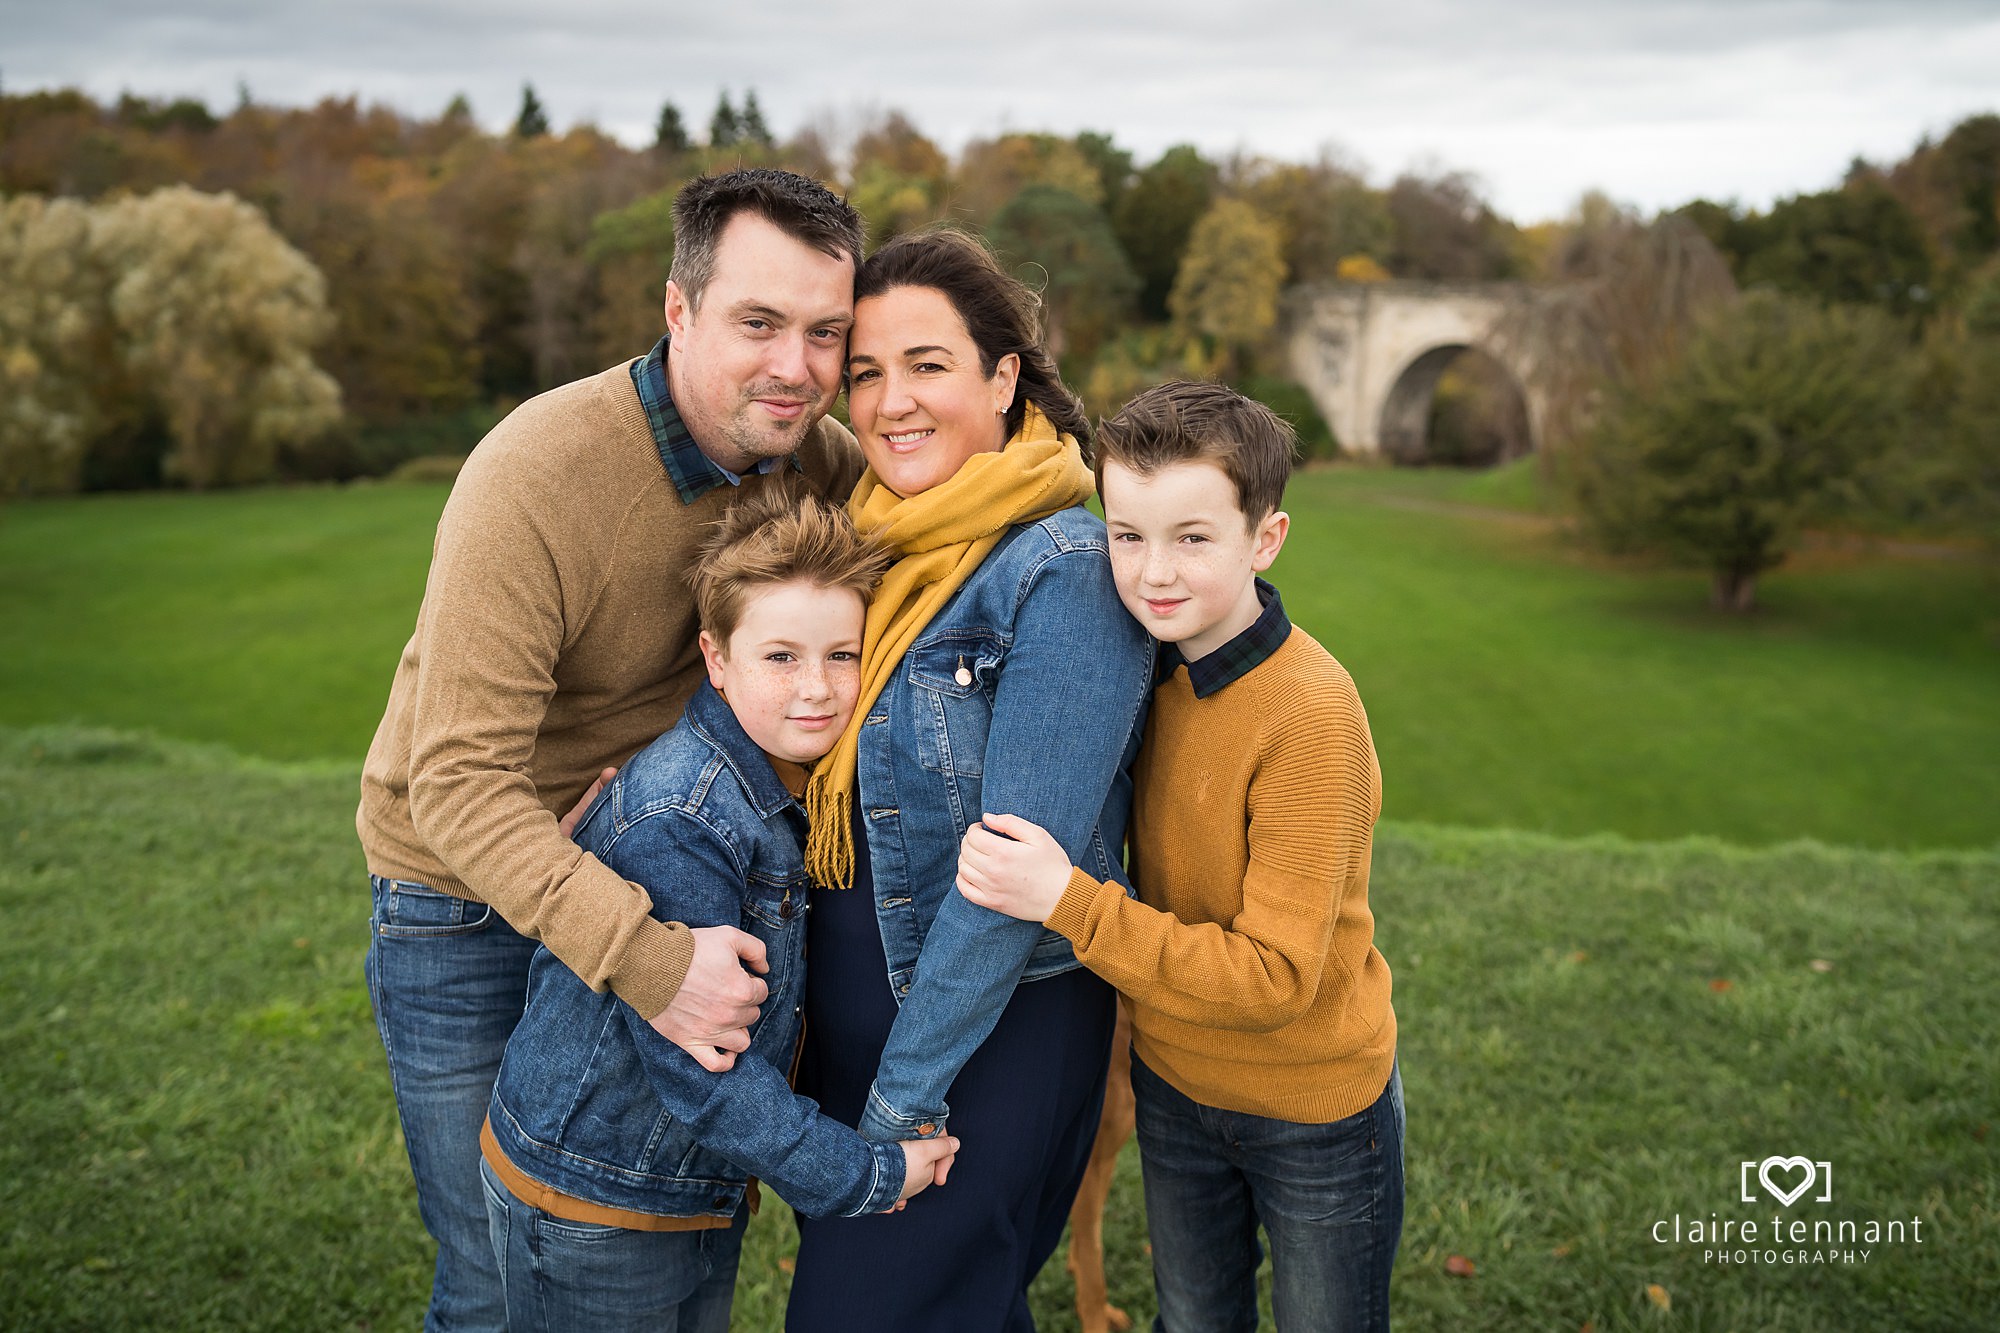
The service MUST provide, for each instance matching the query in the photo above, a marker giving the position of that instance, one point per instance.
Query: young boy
(1263, 1042)
(615, 1164)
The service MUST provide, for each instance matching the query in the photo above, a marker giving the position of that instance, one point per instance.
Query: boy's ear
(713, 656)
(1270, 539)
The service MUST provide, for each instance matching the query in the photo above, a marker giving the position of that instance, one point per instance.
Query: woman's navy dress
(959, 1258)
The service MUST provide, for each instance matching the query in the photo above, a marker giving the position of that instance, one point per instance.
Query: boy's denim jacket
(591, 1101)
(1022, 696)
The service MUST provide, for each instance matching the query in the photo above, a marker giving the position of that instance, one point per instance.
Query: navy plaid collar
(693, 472)
(1237, 658)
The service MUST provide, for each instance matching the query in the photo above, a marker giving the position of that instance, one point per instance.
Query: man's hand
(711, 1013)
(1022, 875)
(926, 1162)
(569, 821)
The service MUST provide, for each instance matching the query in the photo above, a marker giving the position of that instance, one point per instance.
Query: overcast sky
(1652, 101)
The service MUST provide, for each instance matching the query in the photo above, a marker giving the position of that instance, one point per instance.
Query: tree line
(401, 279)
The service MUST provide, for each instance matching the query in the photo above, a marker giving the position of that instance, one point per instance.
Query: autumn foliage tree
(1228, 283)
(178, 316)
(900, 177)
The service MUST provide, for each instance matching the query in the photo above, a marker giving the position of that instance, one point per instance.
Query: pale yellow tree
(215, 316)
(1227, 285)
(54, 350)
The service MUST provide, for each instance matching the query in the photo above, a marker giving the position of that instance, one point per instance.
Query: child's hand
(569, 821)
(1022, 874)
(926, 1162)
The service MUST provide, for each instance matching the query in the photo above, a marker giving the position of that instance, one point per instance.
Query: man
(557, 636)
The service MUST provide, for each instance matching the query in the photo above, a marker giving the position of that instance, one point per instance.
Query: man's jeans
(448, 979)
(563, 1276)
(1330, 1198)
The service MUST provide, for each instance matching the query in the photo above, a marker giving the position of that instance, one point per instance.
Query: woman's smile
(918, 392)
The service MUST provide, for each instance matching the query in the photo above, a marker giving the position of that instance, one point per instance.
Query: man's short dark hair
(1185, 422)
(803, 209)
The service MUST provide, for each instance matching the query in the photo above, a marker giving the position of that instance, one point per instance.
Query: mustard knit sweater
(1249, 954)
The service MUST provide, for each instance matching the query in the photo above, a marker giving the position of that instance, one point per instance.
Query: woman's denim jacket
(591, 1101)
(1022, 696)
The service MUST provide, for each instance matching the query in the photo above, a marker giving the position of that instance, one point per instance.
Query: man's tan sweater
(557, 635)
(1249, 954)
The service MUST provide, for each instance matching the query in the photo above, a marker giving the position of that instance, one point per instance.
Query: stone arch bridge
(1370, 353)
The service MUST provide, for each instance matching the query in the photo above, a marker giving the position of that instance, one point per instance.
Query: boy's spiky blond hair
(782, 533)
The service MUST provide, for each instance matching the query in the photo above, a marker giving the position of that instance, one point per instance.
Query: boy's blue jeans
(564, 1276)
(448, 979)
(1330, 1198)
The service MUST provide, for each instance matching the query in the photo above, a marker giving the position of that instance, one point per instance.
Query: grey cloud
(1534, 96)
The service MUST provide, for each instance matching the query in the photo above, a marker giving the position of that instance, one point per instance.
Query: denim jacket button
(926, 1129)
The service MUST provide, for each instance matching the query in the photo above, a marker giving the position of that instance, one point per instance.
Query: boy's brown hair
(782, 533)
(1185, 422)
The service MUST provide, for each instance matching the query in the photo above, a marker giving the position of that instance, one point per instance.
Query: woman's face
(919, 402)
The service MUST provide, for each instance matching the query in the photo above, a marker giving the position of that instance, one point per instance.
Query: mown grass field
(1595, 1031)
(1510, 682)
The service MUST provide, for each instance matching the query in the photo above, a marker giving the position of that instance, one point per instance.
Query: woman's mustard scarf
(939, 537)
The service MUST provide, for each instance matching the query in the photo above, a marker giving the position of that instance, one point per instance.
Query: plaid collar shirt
(693, 472)
(1235, 659)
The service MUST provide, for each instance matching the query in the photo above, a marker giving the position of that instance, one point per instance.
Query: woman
(1000, 673)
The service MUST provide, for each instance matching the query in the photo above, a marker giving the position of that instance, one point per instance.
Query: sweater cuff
(1072, 914)
(653, 966)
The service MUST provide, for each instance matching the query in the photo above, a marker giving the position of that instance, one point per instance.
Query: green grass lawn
(199, 1128)
(200, 1133)
(1510, 682)
(267, 620)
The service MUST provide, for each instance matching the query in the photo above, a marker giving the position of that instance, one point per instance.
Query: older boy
(1263, 1043)
(614, 1162)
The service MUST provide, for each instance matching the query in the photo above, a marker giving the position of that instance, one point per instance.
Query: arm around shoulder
(1253, 957)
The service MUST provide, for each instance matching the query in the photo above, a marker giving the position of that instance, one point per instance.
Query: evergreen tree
(670, 136)
(750, 127)
(1156, 215)
(533, 121)
(723, 127)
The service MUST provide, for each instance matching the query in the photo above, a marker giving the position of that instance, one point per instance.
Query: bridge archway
(1371, 354)
(1484, 423)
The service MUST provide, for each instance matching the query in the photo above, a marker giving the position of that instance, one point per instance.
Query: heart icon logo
(1786, 1165)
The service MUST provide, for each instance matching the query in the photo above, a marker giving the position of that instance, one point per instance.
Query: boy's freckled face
(791, 669)
(1184, 556)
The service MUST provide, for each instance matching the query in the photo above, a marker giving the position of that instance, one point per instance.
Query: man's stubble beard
(758, 437)
(743, 429)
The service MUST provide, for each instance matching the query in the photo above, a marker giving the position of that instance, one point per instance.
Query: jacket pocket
(952, 679)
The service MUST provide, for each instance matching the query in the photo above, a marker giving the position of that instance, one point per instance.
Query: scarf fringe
(829, 844)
